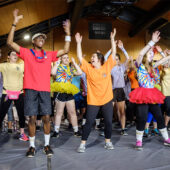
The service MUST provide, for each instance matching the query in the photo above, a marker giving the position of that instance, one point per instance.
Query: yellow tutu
(62, 87)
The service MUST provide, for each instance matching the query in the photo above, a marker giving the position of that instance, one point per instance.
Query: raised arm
(159, 49)
(107, 55)
(10, 40)
(113, 43)
(162, 61)
(66, 26)
(78, 38)
(120, 45)
(155, 39)
(78, 69)
(54, 69)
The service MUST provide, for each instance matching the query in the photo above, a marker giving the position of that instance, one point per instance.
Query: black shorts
(37, 102)
(63, 97)
(118, 95)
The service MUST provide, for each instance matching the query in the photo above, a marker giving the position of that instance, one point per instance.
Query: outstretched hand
(120, 44)
(113, 34)
(156, 36)
(67, 26)
(16, 17)
(78, 38)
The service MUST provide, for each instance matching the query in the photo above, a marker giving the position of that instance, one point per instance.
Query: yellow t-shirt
(166, 82)
(12, 76)
(99, 84)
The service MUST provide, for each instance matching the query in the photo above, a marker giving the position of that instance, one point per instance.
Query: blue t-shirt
(76, 81)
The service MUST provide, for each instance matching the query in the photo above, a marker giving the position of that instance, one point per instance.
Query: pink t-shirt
(37, 74)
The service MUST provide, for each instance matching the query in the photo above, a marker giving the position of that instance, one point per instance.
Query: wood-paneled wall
(55, 40)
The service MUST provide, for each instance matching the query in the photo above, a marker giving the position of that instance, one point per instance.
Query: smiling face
(13, 58)
(39, 41)
(65, 59)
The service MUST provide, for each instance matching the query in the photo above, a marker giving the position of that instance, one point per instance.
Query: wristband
(151, 43)
(14, 25)
(162, 53)
(68, 38)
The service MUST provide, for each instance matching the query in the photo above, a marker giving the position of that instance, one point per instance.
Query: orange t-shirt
(99, 84)
(133, 81)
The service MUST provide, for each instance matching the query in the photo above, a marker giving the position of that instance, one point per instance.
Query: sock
(164, 133)
(75, 128)
(82, 145)
(97, 122)
(57, 128)
(83, 122)
(32, 141)
(139, 135)
(47, 139)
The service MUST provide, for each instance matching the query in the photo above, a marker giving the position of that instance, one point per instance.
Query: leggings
(142, 114)
(92, 111)
(5, 104)
(10, 113)
(150, 117)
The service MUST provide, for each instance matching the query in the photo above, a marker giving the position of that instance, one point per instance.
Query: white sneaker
(81, 148)
(109, 146)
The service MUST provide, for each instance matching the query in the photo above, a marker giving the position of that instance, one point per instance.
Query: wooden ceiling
(36, 11)
(149, 4)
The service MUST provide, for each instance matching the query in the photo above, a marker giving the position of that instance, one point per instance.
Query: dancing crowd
(47, 86)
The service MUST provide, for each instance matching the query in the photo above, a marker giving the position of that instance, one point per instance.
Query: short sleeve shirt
(145, 79)
(99, 84)
(118, 76)
(37, 74)
(12, 76)
(64, 73)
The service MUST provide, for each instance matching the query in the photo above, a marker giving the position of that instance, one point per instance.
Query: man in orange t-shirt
(99, 91)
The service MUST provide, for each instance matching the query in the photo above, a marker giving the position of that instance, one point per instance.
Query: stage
(155, 155)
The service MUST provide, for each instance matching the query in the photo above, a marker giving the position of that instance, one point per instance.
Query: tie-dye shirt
(64, 73)
(145, 79)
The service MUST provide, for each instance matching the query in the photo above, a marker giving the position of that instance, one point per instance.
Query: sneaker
(102, 134)
(155, 132)
(9, 130)
(31, 152)
(55, 134)
(98, 127)
(123, 132)
(48, 151)
(81, 148)
(23, 137)
(146, 133)
(109, 146)
(138, 145)
(78, 134)
(167, 142)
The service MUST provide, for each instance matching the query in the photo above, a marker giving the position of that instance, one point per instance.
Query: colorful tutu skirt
(146, 96)
(62, 87)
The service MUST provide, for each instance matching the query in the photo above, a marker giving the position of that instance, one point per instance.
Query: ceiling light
(26, 37)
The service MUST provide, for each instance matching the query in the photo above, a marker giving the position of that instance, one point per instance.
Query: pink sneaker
(167, 142)
(139, 145)
(23, 137)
